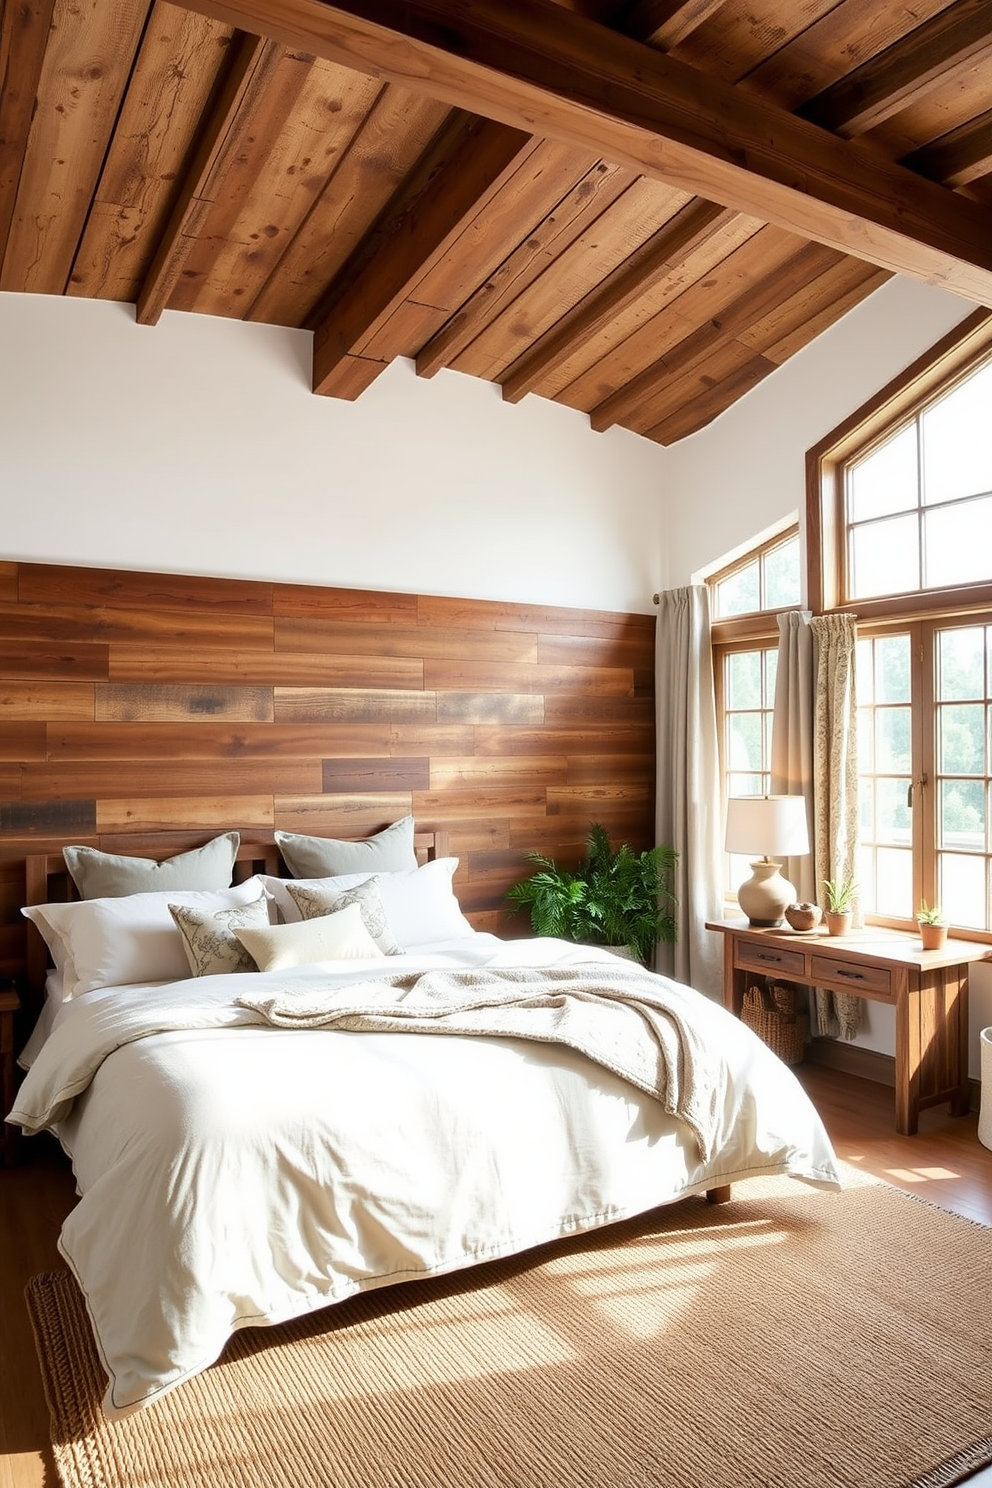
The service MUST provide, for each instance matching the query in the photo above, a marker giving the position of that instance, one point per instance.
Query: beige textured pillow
(211, 947)
(389, 851)
(100, 875)
(312, 902)
(332, 937)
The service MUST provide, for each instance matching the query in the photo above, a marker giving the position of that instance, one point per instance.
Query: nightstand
(9, 1006)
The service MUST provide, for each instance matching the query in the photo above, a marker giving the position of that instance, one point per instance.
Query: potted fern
(615, 898)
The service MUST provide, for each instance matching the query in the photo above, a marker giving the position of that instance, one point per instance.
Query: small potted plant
(621, 899)
(933, 926)
(840, 897)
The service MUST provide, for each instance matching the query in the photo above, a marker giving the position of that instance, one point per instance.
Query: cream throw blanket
(648, 1030)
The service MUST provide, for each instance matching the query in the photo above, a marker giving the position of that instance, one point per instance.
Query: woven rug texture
(788, 1339)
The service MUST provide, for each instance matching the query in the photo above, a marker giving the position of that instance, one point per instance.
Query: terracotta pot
(838, 921)
(934, 937)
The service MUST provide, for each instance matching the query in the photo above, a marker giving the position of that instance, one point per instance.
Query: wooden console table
(928, 989)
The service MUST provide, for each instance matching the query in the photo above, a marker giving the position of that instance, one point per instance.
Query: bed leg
(719, 1195)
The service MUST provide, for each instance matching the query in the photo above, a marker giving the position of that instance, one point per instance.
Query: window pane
(745, 785)
(961, 663)
(957, 441)
(961, 739)
(885, 557)
(893, 823)
(962, 815)
(744, 741)
(892, 678)
(886, 480)
(892, 740)
(771, 675)
(894, 883)
(962, 890)
(739, 593)
(743, 680)
(782, 586)
(957, 541)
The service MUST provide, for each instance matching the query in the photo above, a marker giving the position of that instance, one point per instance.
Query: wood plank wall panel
(137, 703)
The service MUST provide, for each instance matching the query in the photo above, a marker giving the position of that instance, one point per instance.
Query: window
(745, 597)
(900, 513)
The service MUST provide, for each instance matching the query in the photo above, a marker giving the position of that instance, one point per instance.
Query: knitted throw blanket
(654, 1033)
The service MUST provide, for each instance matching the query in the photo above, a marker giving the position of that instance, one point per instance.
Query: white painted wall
(196, 446)
(746, 472)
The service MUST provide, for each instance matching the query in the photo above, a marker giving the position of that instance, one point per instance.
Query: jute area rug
(789, 1339)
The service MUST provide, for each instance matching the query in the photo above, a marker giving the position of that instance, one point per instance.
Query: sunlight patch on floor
(919, 1175)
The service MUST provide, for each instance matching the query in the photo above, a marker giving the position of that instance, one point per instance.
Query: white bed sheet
(234, 1176)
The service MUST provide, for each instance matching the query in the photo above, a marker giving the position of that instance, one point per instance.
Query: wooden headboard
(47, 881)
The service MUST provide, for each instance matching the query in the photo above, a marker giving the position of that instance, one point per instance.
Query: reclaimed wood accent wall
(139, 703)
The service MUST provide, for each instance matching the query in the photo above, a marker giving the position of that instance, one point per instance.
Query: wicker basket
(772, 1014)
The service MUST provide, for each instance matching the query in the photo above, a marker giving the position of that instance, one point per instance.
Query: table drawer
(851, 976)
(769, 959)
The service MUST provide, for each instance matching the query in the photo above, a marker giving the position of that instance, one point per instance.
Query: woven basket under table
(772, 1014)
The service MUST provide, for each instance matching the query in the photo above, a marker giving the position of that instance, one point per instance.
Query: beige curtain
(688, 785)
(792, 735)
(835, 793)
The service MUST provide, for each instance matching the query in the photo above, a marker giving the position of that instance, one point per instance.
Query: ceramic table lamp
(775, 827)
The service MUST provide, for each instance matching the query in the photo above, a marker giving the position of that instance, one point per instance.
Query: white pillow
(113, 942)
(420, 905)
(312, 903)
(332, 937)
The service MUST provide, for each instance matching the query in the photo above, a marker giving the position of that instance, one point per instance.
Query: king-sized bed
(377, 1093)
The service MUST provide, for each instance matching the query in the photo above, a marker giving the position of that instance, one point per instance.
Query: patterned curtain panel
(835, 793)
(688, 784)
(792, 735)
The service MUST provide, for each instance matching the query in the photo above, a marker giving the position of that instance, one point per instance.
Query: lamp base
(765, 894)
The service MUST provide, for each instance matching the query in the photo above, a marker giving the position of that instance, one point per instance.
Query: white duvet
(234, 1174)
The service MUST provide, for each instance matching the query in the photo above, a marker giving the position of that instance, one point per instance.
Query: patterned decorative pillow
(313, 903)
(211, 947)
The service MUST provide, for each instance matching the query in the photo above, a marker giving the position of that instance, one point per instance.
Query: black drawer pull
(767, 956)
(854, 976)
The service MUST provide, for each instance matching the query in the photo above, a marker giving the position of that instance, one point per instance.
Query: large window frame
(920, 615)
(756, 631)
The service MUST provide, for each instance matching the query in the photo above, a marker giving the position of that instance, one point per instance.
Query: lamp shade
(772, 826)
(766, 828)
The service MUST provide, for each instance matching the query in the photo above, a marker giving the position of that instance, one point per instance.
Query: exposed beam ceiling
(542, 68)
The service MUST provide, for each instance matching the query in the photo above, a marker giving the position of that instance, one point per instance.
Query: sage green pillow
(100, 875)
(389, 851)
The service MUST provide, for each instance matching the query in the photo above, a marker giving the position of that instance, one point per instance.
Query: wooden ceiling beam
(959, 157)
(485, 157)
(24, 32)
(673, 243)
(664, 23)
(757, 300)
(889, 82)
(251, 70)
(588, 196)
(551, 72)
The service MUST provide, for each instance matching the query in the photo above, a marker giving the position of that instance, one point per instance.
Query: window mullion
(924, 764)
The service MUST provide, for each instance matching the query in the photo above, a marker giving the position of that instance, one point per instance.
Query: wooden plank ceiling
(638, 210)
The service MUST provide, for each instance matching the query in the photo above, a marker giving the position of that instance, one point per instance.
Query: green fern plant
(929, 914)
(613, 898)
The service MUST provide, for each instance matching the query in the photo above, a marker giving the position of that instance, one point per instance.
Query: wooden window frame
(957, 354)
(921, 613)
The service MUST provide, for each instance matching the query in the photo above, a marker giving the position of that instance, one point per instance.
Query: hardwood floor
(944, 1163)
